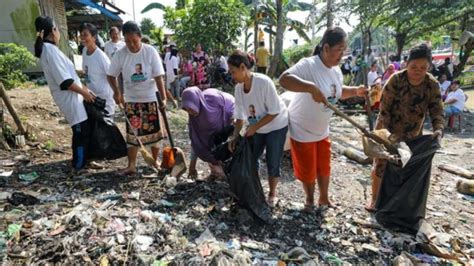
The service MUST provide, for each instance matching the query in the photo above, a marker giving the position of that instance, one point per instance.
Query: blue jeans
(451, 110)
(80, 144)
(273, 142)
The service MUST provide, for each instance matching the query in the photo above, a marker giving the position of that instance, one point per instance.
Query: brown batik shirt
(403, 106)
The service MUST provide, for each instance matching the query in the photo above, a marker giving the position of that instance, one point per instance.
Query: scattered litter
(6, 173)
(20, 198)
(29, 178)
(143, 242)
(206, 236)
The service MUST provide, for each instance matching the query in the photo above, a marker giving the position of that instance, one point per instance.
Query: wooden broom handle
(165, 119)
(390, 147)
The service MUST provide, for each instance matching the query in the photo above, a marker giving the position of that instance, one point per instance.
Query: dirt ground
(174, 216)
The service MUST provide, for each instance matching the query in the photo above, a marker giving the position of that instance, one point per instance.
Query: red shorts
(311, 159)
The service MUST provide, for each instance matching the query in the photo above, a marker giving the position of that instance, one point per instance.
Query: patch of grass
(178, 119)
(49, 145)
(467, 78)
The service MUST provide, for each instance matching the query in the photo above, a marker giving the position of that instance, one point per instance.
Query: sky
(157, 16)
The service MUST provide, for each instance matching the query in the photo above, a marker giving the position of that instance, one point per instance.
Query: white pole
(133, 6)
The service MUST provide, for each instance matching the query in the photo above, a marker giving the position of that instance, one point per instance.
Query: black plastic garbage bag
(401, 202)
(106, 141)
(220, 149)
(244, 182)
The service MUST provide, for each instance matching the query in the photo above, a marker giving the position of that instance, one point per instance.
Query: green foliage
(13, 59)
(156, 36)
(214, 24)
(49, 145)
(268, 14)
(294, 54)
(146, 26)
(153, 6)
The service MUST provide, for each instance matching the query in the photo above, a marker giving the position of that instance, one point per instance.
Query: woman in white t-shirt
(142, 72)
(95, 64)
(258, 104)
(455, 101)
(172, 65)
(65, 86)
(115, 44)
(317, 81)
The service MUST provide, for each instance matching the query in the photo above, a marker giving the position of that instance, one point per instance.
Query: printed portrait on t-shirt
(115, 50)
(86, 74)
(253, 118)
(332, 98)
(138, 76)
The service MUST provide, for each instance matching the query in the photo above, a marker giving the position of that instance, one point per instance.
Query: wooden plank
(453, 169)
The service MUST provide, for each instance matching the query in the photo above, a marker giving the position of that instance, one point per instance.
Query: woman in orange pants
(317, 81)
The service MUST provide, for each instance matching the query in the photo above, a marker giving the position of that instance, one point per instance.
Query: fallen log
(356, 155)
(457, 170)
(465, 187)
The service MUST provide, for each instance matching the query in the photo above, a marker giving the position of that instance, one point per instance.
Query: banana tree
(276, 15)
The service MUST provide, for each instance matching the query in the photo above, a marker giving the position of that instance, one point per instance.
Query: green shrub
(13, 59)
(294, 54)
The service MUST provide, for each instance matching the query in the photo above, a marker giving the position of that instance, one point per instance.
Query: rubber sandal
(309, 208)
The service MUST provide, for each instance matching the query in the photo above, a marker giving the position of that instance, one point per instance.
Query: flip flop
(309, 208)
(370, 208)
(126, 173)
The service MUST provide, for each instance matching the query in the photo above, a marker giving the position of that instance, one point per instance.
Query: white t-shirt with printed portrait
(57, 68)
(309, 120)
(95, 68)
(262, 99)
(110, 48)
(138, 71)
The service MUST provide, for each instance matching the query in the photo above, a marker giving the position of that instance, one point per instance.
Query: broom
(150, 161)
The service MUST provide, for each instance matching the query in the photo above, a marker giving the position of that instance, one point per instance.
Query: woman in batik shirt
(408, 96)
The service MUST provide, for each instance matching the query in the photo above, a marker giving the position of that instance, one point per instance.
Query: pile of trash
(159, 222)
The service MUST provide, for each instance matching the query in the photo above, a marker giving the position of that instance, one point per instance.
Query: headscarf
(215, 110)
(390, 71)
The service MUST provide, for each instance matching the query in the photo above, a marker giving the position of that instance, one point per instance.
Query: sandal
(126, 173)
(309, 208)
(370, 208)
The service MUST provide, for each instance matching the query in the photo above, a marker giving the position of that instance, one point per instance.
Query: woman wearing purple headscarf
(209, 112)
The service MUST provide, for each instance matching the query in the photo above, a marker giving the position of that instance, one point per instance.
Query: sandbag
(106, 141)
(244, 181)
(401, 201)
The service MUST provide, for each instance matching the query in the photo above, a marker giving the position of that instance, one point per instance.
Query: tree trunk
(246, 41)
(255, 27)
(270, 39)
(400, 39)
(464, 51)
(330, 16)
(11, 110)
(365, 41)
(463, 59)
(279, 39)
(369, 38)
